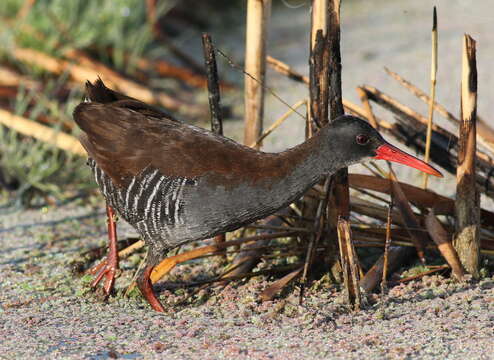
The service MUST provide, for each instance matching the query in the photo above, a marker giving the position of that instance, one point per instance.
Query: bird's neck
(246, 201)
(309, 162)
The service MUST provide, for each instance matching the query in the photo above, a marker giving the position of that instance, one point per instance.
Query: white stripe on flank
(96, 176)
(153, 194)
(177, 197)
(143, 185)
(127, 194)
(104, 185)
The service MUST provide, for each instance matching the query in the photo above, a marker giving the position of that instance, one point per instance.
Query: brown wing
(123, 142)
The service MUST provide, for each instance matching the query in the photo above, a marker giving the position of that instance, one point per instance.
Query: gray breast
(152, 203)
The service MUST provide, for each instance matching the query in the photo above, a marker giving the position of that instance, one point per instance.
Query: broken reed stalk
(266, 272)
(349, 263)
(335, 98)
(319, 77)
(318, 64)
(214, 98)
(467, 239)
(258, 14)
(433, 94)
(341, 190)
(319, 20)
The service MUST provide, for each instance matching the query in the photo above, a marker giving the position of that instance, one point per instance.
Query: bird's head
(356, 141)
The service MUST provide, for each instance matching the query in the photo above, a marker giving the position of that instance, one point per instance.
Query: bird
(99, 93)
(176, 183)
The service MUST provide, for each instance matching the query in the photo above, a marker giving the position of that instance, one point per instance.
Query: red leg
(144, 284)
(109, 267)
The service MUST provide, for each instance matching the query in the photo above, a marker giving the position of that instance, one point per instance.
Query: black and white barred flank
(152, 202)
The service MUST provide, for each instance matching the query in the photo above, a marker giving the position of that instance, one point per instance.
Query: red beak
(391, 153)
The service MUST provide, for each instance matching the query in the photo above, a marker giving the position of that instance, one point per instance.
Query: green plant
(40, 168)
(54, 26)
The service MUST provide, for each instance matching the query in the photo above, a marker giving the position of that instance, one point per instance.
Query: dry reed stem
(371, 209)
(485, 133)
(387, 244)
(409, 218)
(397, 255)
(428, 272)
(258, 14)
(24, 10)
(433, 94)
(418, 196)
(169, 263)
(368, 108)
(277, 123)
(267, 272)
(121, 254)
(81, 74)
(286, 70)
(11, 78)
(349, 263)
(443, 242)
(376, 237)
(412, 124)
(40, 132)
(165, 69)
(467, 239)
(349, 106)
(270, 292)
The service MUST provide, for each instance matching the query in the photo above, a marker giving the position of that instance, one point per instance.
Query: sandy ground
(47, 312)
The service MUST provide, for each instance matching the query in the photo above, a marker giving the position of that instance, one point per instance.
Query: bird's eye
(362, 139)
